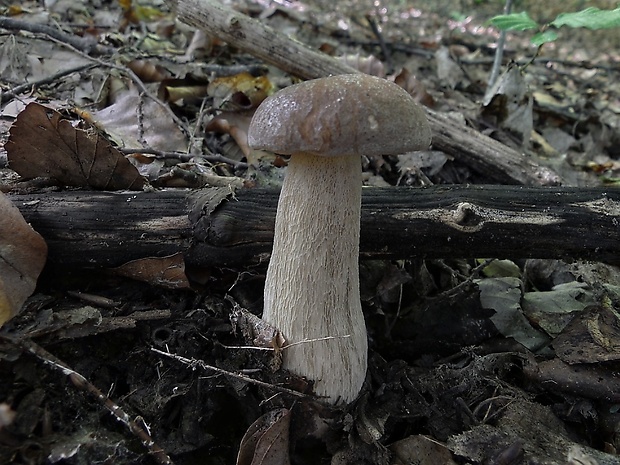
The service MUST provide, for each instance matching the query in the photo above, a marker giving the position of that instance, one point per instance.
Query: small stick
(9, 94)
(384, 49)
(499, 51)
(84, 44)
(80, 382)
(191, 362)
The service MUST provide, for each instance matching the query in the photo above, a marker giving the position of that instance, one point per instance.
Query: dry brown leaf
(416, 88)
(43, 144)
(266, 441)
(369, 64)
(591, 337)
(166, 272)
(133, 122)
(235, 124)
(239, 92)
(148, 71)
(22, 256)
(420, 450)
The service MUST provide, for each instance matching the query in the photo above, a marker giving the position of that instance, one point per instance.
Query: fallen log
(217, 227)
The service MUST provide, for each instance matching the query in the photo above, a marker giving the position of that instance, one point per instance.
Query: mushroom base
(312, 286)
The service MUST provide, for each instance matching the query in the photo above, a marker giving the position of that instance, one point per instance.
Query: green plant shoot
(590, 18)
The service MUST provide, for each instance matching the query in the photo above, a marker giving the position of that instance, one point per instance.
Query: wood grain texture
(214, 227)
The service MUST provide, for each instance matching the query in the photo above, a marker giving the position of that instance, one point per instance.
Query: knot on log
(467, 217)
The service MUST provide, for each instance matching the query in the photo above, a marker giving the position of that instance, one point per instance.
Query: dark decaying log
(215, 227)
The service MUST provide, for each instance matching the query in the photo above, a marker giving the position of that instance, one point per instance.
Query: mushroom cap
(349, 114)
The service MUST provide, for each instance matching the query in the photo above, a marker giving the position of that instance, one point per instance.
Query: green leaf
(545, 37)
(591, 18)
(513, 22)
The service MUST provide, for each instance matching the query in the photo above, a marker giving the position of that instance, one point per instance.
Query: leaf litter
(452, 377)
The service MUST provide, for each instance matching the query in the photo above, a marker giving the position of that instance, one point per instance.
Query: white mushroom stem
(312, 285)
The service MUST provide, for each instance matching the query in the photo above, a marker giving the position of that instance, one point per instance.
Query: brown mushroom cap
(340, 115)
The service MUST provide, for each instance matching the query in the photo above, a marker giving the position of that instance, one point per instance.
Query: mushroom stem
(312, 284)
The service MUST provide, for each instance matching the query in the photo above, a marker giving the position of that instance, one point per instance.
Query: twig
(191, 362)
(182, 156)
(499, 52)
(387, 55)
(83, 44)
(9, 94)
(80, 382)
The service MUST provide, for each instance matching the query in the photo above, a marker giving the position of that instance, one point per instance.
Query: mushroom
(312, 285)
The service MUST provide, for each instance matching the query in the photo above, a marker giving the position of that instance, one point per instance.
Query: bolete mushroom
(312, 285)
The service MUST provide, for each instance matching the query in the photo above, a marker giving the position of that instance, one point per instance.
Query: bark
(501, 164)
(216, 227)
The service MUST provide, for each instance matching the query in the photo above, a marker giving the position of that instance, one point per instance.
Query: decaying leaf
(132, 121)
(509, 105)
(22, 256)
(43, 144)
(416, 88)
(166, 272)
(239, 92)
(369, 65)
(552, 310)
(148, 71)
(420, 450)
(504, 296)
(591, 337)
(266, 441)
(449, 72)
(235, 124)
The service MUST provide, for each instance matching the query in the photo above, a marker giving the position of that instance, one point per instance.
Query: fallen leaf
(416, 88)
(133, 122)
(591, 337)
(509, 105)
(43, 144)
(239, 92)
(166, 272)
(369, 65)
(22, 256)
(420, 450)
(266, 441)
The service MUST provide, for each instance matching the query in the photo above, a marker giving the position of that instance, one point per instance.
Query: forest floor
(497, 360)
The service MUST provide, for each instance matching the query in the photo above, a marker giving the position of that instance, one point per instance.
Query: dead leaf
(22, 256)
(43, 144)
(239, 92)
(509, 105)
(266, 441)
(133, 122)
(166, 272)
(420, 450)
(369, 65)
(416, 88)
(236, 125)
(591, 337)
(148, 71)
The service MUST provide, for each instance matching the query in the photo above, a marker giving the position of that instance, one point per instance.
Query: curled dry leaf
(266, 441)
(148, 71)
(22, 257)
(235, 124)
(166, 272)
(416, 88)
(181, 90)
(239, 92)
(43, 144)
(369, 65)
